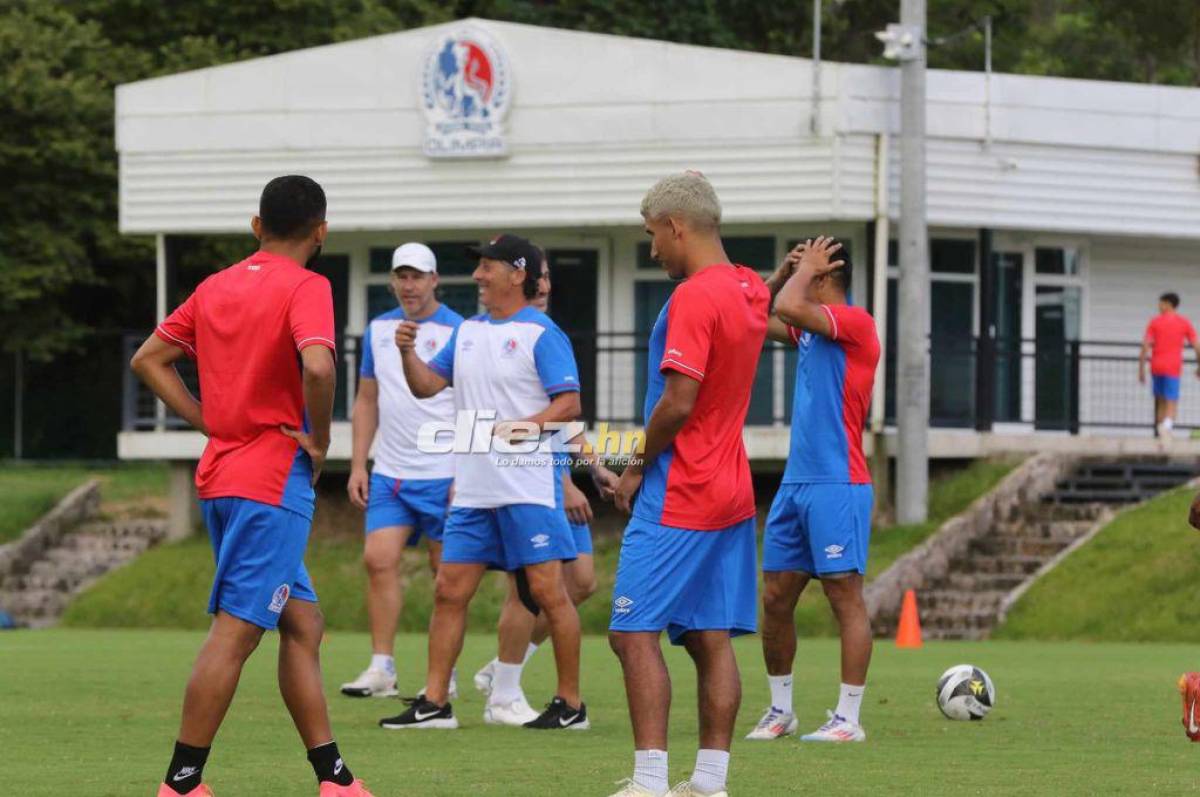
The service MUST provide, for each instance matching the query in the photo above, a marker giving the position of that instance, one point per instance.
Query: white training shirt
(511, 368)
(401, 414)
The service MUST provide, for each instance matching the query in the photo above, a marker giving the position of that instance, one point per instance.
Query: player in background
(820, 521)
(687, 562)
(520, 631)
(267, 419)
(1162, 345)
(514, 369)
(407, 494)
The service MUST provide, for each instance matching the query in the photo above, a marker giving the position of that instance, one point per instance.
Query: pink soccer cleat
(355, 789)
(200, 791)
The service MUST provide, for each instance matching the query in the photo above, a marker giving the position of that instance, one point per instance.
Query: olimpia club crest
(466, 88)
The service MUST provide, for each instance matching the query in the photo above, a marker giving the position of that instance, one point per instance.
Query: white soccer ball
(965, 692)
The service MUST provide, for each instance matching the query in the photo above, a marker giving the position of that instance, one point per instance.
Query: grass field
(92, 712)
(29, 491)
(168, 586)
(1134, 581)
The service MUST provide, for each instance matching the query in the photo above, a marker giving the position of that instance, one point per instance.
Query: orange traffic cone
(908, 634)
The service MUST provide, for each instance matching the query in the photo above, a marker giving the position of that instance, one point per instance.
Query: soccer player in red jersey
(687, 562)
(1163, 346)
(261, 333)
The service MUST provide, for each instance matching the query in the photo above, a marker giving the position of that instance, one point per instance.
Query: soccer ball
(965, 692)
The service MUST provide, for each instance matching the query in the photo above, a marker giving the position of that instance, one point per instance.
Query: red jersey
(245, 326)
(712, 330)
(1166, 333)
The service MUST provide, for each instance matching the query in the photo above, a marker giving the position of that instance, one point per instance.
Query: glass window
(1053, 260)
(453, 259)
(381, 259)
(462, 299)
(380, 300)
(951, 256)
(753, 251)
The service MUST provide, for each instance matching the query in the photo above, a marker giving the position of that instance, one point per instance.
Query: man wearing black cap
(513, 372)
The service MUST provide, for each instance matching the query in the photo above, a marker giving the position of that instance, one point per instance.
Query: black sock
(187, 766)
(327, 763)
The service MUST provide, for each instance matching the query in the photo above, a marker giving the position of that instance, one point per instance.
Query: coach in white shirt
(407, 493)
(514, 368)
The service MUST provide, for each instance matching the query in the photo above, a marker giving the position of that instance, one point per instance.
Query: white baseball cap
(415, 255)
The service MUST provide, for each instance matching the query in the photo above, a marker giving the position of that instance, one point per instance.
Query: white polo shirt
(508, 370)
(401, 414)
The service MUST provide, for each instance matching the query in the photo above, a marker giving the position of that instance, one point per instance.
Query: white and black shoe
(558, 716)
(422, 714)
(372, 683)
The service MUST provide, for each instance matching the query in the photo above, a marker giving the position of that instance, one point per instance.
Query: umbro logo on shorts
(833, 551)
(622, 605)
(540, 540)
(279, 599)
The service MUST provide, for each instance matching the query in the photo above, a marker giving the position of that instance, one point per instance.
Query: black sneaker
(558, 716)
(422, 714)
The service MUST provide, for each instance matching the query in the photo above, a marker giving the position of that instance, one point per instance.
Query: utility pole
(906, 43)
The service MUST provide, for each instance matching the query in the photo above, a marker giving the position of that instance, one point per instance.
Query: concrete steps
(39, 593)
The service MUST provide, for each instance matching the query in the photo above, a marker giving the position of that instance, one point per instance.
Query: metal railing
(1064, 386)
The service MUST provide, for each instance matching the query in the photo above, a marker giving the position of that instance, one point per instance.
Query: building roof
(596, 118)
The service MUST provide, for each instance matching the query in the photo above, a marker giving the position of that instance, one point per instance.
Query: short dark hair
(291, 206)
(1170, 298)
(843, 273)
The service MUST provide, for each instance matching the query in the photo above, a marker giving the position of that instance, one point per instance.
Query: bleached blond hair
(688, 196)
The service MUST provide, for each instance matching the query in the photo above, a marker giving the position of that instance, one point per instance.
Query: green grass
(1134, 581)
(95, 712)
(28, 491)
(168, 586)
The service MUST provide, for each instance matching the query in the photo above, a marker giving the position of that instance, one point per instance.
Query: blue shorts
(418, 503)
(582, 533)
(679, 580)
(1166, 387)
(259, 550)
(507, 537)
(819, 528)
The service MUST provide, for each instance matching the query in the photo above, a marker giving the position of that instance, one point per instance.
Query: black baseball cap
(518, 252)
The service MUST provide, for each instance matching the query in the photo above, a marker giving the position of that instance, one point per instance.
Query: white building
(1058, 209)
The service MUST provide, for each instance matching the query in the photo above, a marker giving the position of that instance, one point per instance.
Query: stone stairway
(965, 603)
(36, 593)
(977, 565)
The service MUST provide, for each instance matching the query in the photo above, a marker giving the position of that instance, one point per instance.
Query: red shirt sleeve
(851, 326)
(690, 322)
(311, 314)
(179, 328)
(1151, 331)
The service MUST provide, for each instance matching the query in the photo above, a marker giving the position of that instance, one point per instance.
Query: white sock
(1168, 424)
(712, 768)
(453, 675)
(650, 770)
(849, 702)
(381, 662)
(506, 684)
(529, 652)
(781, 692)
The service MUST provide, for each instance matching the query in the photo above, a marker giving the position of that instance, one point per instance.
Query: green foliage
(1071, 719)
(1135, 581)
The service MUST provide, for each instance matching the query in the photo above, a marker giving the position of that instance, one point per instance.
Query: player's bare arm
(793, 306)
(320, 383)
(154, 363)
(563, 408)
(1144, 355)
(422, 380)
(364, 422)
(575, 502)
(670, 414)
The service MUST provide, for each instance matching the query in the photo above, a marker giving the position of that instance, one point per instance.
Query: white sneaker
(515, 713)
(631, 789)
(373, 682)
(837, 729)
(686, 789)
(485, 677)
(774, 724)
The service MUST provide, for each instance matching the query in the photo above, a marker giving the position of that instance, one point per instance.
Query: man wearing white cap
(407, 493)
